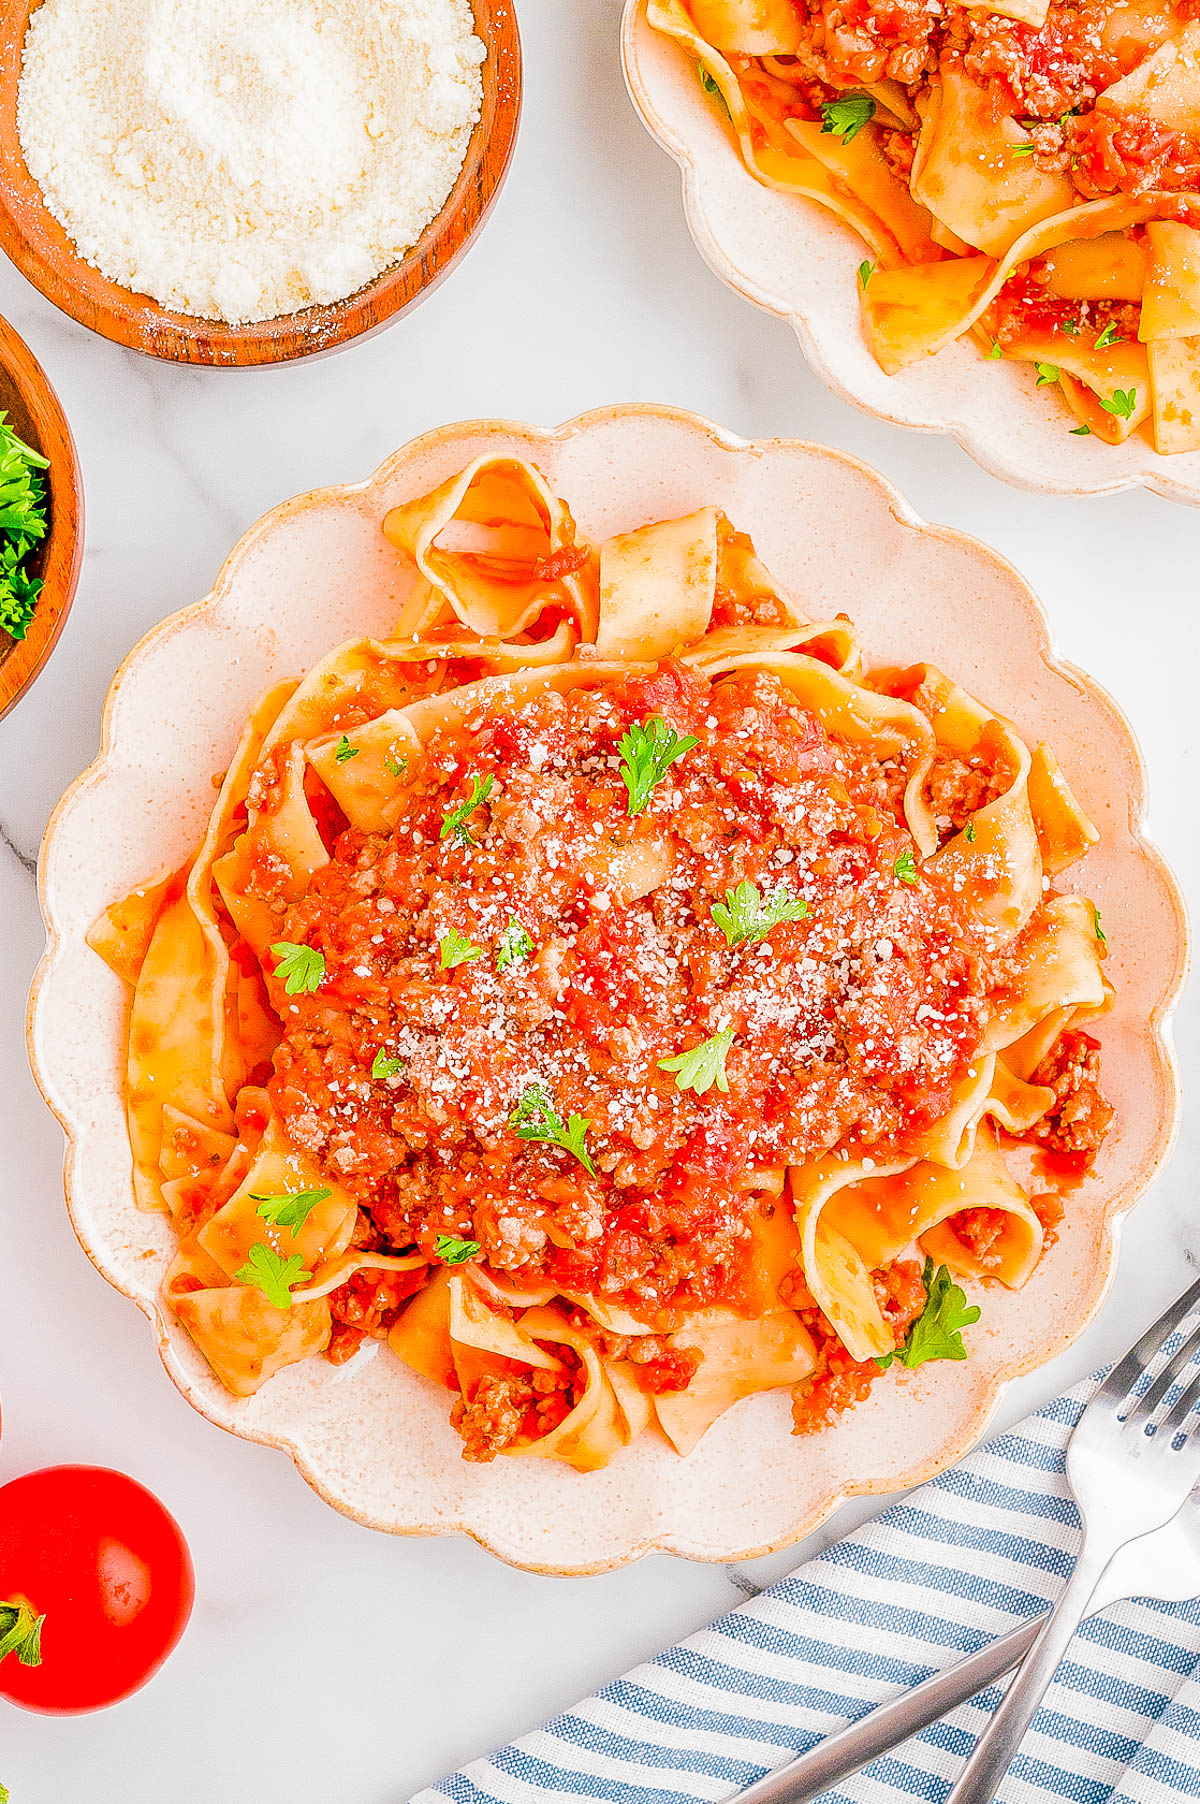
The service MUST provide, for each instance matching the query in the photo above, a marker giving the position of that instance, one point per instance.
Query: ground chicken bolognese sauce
(520, 940)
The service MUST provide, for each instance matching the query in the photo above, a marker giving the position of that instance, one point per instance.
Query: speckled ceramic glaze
(792, 257)
(371, 1436)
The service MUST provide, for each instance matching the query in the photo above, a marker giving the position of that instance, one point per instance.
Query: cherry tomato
(107, 1571)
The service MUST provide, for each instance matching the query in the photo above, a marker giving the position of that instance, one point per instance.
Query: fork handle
(997, 1746)
(843, 1753)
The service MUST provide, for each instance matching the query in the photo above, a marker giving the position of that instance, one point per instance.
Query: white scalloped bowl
(793, 258)
(372, 1437)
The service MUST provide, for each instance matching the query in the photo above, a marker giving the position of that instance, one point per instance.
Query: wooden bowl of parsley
(41, 517)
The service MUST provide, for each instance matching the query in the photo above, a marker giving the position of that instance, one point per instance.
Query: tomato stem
(21, 1633)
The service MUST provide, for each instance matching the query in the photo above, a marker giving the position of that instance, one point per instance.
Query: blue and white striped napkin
(981, 1549)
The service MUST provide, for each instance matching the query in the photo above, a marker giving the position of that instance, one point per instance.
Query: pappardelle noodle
(611, 995)
(1027, 172)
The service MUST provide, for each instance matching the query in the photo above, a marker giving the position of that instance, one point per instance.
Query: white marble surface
(323, 1661)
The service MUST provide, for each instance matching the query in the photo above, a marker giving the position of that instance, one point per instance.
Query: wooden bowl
(34, 240)
(35, 414)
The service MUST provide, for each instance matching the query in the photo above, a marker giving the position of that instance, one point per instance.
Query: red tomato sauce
(1049, 78)
(850, 1026)
(1026, 308)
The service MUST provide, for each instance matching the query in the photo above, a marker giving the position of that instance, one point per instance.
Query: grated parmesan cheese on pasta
(243, 159)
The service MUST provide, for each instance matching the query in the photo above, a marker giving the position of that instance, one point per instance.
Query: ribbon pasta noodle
(609, 992)
(1027, 173)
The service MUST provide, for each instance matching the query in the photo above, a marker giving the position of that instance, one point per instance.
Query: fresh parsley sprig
(937, 1331)
(536, 1118)
(383, 1065)
(1047, 374)
(711, 86)
(513, 946)
(905, 867)
(301, 969)
(22, 527)
(1109, 336)
(747, 915)
(290, 1210)
(345, 751)
(453, 1251)
(455, 949)
(1097, 926)
(845, 116)
(703, 1066)
(647, 751)
(455, 821)
(274, 1275)
(1122, 403)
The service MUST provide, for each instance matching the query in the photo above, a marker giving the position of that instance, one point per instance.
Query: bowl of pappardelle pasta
(575, 1038)
(981, 220)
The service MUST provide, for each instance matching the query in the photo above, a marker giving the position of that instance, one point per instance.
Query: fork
(1164, 1564)
(1131, 1462)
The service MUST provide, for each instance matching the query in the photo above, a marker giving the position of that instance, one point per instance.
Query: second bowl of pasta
(982, 221)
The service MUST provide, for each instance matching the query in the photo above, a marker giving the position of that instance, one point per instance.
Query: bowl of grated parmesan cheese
(249, 181)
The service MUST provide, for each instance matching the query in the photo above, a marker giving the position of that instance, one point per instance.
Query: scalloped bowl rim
(670, 1540)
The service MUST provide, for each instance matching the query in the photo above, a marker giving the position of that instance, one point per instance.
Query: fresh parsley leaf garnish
(1123, 402)
(905, 867)
(1023, 150)
(21, 489)
(1081, 432)
(1109, 336)
(291, 1210)
(1099, 930)
(703, 1066)
(1047, 373)
(453, 1251)
(937, 1331)
(21, 1633)
(969, 833)
(1070, 327)
(455, 949)
(272, 1274)
(395, 767)
(22, 527)
(866, 270)
(536, 1118)
(513, 946)
(996, 350)
(345, 750)
(383, 1065)
(647, 750)
(456, 819)
(19, 592)
(846, 115)
(745, 915)
(711, 86)
(300, 968)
